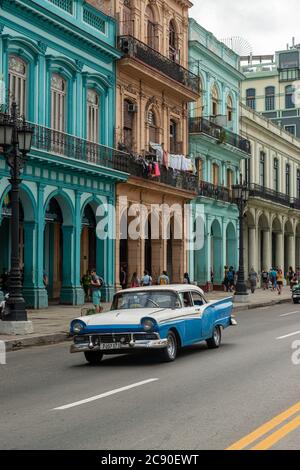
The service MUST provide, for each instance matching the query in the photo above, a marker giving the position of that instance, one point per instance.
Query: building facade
(154, 88)
(272, 229)
(218, 151)
(270, 86)
(58, 63)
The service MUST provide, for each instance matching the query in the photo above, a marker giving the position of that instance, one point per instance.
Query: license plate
(108, 346)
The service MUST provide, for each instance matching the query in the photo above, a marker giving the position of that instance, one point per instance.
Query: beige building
(154, 87)
(270, 85)
(272, 233)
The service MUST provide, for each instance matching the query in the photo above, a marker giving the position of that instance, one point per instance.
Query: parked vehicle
(296, 294)
(160, 318)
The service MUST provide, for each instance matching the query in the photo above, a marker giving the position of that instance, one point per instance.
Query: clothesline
(176, 162)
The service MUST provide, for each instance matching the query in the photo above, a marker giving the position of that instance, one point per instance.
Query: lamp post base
(241, 298)
(16, 327)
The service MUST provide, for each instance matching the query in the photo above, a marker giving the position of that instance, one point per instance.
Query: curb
(56, 338)
(261, 305)
(43, 340)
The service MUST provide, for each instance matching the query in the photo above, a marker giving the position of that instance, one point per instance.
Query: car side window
(186, 299)
(197, 299)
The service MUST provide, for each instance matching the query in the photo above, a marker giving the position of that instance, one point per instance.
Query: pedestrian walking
(253, 278)
(146, 279)
(96, 284)
(86, 284)
(230, 279)
(163, 279)
(290, 275)
(225, 281)
(294, 282)
(273, 278)
(265, 279)
(135, 282)
(123, 278)
(186, 278)
(279, 279)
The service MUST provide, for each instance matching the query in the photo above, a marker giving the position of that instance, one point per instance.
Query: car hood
(123, 317)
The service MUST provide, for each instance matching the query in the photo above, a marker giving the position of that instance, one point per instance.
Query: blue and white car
(157, 318)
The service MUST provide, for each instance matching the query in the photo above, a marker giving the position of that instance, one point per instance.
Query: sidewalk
(52, 325)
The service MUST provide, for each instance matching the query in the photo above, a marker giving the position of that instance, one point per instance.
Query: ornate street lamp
(15, 140)
(240, 195)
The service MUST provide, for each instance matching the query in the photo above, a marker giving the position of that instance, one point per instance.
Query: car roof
(169, 287)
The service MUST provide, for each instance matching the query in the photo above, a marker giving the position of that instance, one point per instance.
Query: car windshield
(145, 299)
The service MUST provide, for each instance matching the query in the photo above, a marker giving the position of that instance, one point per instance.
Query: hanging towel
(159, 151)
(156, 170)
(166, 159)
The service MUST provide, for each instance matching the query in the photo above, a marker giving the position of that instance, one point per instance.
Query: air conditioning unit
(132, 108)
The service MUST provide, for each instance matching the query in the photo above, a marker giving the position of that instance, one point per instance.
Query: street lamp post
(15, 140)
(240, 193)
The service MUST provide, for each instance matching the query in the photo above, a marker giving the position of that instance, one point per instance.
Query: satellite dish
(239, 45)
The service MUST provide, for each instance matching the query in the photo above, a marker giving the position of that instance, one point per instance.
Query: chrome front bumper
(133, 344)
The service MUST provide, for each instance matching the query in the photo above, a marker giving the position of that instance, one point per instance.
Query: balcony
(68, 146)
(270, 195)
(141, 53)
(222, 135)
(212, 191)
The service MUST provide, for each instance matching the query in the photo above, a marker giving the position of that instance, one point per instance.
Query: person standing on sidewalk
(163, 279)
(265, 279)
(135, 282)
(146, 280)
(279, 279)
(253, 278)
(96, 284)
(123, 278)
(290, 275)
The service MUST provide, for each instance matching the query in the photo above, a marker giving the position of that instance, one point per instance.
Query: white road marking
(289, 335)
(103, 395)
(290, 313)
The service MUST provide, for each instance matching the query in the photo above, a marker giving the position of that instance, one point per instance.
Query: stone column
(41, 295)
(280, 250)
(79, 293)
(292, 251)
(253, 252)
(267, 249)
(29, 284)
(68, 292)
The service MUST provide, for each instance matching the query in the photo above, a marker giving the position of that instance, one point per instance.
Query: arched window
(270, 98)
(93, 116)
(151, 27)
(173, 43)
(215, 101)
(129, 122)
(58, 102)
(289, 97)
(251, 98)
(153, 132)
(17, 79)
(229, 109)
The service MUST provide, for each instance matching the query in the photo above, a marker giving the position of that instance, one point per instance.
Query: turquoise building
(217, 150)
(58, 62)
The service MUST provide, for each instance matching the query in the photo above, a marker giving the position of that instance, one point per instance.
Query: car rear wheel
(93, 357)
(169, 354)
(215, 341)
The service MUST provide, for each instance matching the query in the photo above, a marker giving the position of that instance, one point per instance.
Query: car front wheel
(169, 354)
(215, 341)
(93, 357)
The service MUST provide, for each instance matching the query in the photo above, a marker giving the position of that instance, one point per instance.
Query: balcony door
(151, 28)
(215, 174)
(173, 46)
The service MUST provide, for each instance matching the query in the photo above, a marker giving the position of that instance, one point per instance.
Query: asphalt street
(243, 395)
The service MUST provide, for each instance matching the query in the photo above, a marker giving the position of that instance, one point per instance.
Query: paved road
(207, 399)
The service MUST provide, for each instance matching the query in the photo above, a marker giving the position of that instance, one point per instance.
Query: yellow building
(154, 88)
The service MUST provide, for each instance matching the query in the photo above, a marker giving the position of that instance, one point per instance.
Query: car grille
(117, 338)
(145, 336)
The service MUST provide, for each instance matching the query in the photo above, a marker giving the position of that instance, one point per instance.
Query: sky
(268, 25)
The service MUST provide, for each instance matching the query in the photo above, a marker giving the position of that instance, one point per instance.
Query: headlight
(148, 324)
(77, 327)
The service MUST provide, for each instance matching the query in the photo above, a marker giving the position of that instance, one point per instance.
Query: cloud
(268, 25)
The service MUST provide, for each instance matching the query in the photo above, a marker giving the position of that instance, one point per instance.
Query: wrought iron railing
(201, 125)
(70, 146)
(132, 47)
(214, 192)
(270, 195)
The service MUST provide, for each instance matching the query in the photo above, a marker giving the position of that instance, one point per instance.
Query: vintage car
(296, 294)
(160, 318)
